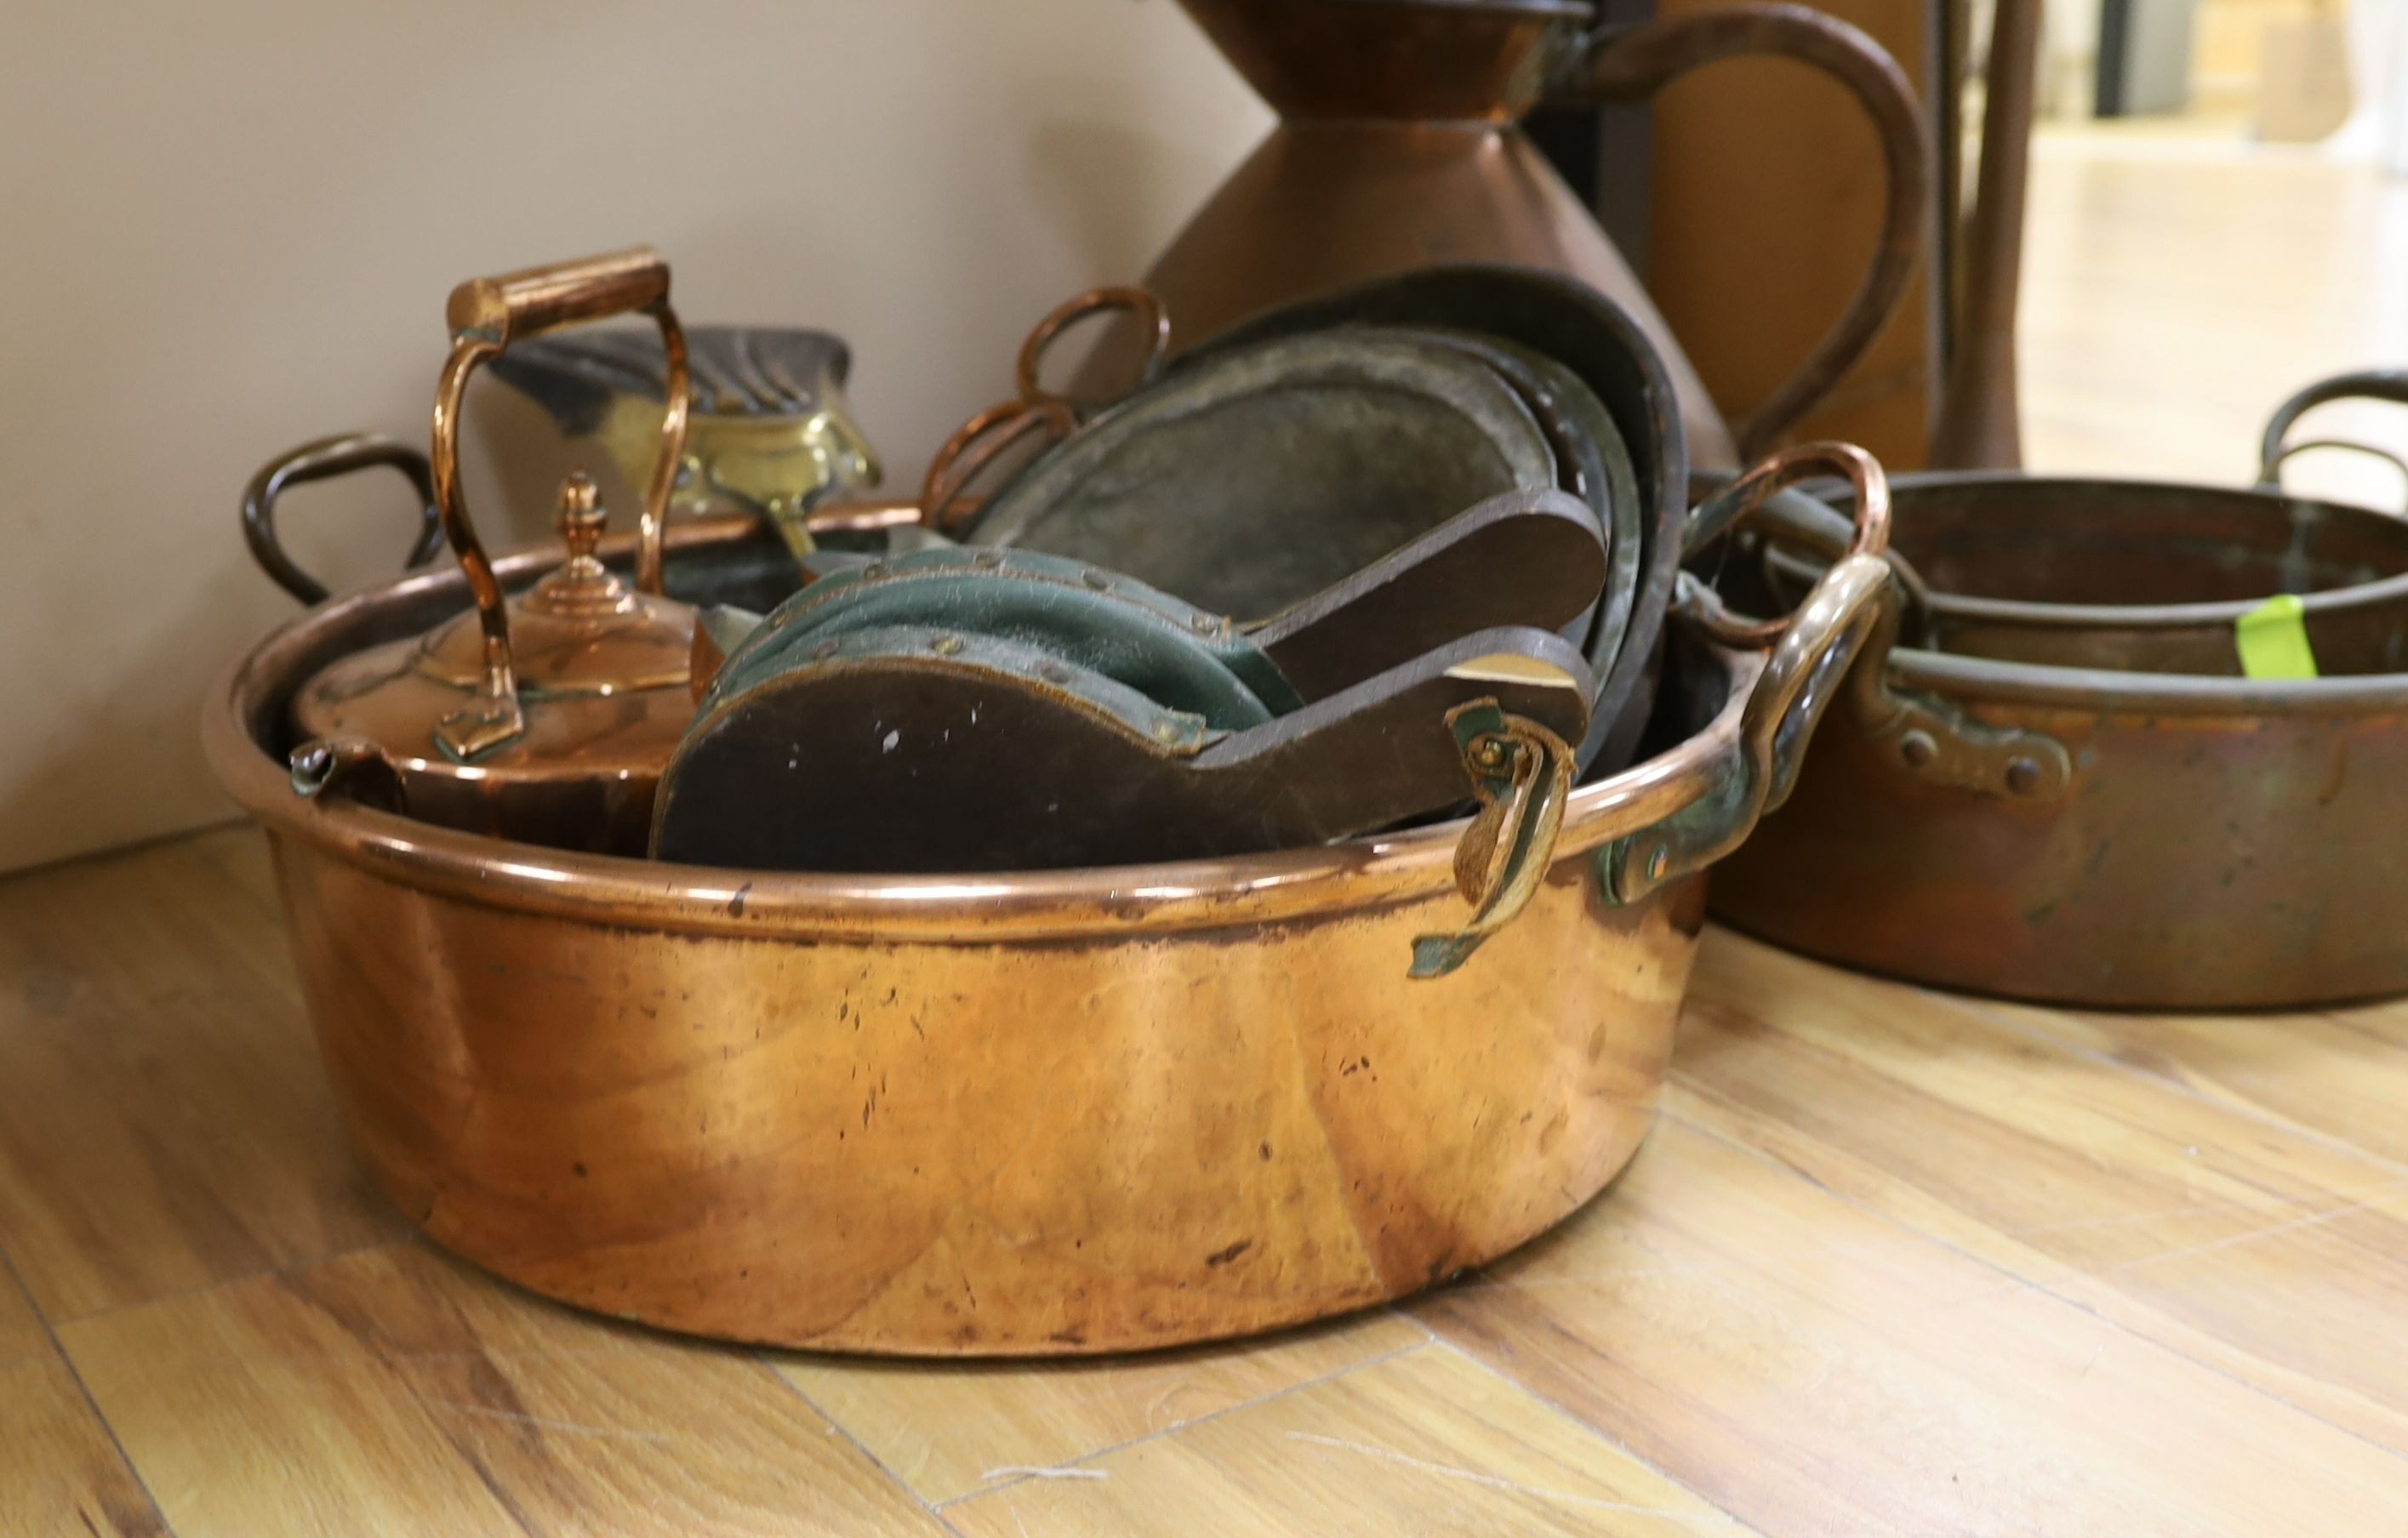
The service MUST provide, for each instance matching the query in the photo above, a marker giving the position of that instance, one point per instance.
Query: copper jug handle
(486, 315)
(323, 460)
(1617, 64)
(2374, 384)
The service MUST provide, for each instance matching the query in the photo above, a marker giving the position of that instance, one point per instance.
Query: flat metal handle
(1640, 60)
(323, 460)
(487, 315)
(2374, 384)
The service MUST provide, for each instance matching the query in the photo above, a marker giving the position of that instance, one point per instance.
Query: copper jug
(1398, 146)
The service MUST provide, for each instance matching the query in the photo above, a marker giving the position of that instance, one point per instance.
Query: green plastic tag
(2272, 640)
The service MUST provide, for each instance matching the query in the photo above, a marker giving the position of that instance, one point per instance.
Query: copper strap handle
(1814, 646)
(2374, 384)
(1812, 651)
(486, 315)
(1642, 60)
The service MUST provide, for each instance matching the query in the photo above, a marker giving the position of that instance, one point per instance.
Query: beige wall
(228, 227)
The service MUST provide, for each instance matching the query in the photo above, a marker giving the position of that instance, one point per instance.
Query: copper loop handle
(2271, 472)
(1641, 59)
(977, 445)
(487, 315)
(1742, 498)
(2372, 384)
(980, 442)
(1143, 303)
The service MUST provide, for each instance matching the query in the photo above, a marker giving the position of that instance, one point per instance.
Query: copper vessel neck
(1401, 60)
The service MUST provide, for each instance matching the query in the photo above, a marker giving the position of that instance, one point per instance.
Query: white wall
(228, 227)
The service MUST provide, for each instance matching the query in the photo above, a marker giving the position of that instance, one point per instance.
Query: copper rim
(974, 908)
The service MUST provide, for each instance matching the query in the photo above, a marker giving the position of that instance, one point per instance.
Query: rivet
(1918, 748)
(1096, 579)
(1490, 754)
(945, 645)
(823, 651)
(1053, 673)
(1167, 730)
(2023, 776)
(986, 560)
(875, 569)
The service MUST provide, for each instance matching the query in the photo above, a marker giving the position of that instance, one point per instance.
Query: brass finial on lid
(581, 517)
(582, 584)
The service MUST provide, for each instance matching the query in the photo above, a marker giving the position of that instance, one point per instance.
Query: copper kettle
(545, 717)
(1398, 146)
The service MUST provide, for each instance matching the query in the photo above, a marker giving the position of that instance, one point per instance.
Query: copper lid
(602, 672)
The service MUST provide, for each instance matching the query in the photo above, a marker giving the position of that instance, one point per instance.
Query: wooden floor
(1890, 1264)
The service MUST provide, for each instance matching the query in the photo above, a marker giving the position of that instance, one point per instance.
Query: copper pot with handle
(2060, 781)
(1014, 1113)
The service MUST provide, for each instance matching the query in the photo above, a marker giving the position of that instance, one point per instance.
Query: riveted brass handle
(2374, 384)
(486, 315)
(1639, 61)
(323, 460)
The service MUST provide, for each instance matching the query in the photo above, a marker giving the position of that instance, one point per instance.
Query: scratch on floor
(564, 1428)
(2313, 1219)
(1041, 1471)
(1497, 1482)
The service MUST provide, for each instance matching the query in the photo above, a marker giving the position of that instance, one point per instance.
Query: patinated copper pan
(1079, 1111)
(2082, 801)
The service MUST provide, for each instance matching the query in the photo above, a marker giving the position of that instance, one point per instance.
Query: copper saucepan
(2068, 791)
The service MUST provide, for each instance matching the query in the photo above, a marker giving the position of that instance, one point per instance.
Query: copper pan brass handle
(1523, 775)
(2374, 384)
(1640, 60)
(1812, 651)
(486, 315)
(322, 461)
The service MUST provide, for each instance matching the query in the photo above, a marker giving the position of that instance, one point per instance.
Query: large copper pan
(2066, 791)
(1079, 1111)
